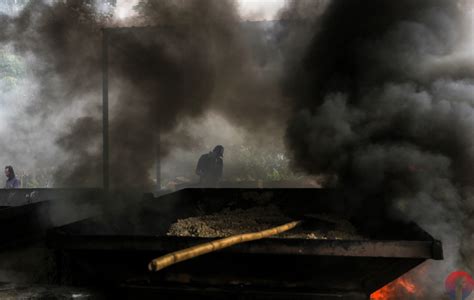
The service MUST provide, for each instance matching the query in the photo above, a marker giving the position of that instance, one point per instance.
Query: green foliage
(12, 69)
(41, 178)
(12, 6)
(254, 164)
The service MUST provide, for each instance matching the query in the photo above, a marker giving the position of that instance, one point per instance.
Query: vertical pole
(105, 109)
(158, 159)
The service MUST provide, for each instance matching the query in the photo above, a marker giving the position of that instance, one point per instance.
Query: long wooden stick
(188, 253)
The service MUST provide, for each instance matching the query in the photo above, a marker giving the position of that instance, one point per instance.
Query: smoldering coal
(383, 105)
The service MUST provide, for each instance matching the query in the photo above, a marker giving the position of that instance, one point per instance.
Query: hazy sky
(260, 9)
(250, 9)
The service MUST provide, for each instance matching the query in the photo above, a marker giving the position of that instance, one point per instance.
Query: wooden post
(105, 109)
(158, 160)
(157, 140)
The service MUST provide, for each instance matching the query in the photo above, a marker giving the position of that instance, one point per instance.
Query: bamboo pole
(188, 253)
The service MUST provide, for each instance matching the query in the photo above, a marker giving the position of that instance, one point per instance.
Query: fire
(409, 286)
(400, 286)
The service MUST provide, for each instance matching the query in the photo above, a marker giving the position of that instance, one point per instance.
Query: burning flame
(400, 286)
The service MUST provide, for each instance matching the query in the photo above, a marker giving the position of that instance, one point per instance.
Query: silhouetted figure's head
(9, 172)
(218, 151)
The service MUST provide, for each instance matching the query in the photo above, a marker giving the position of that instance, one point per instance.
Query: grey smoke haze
(197, 58)
(383, 100)
(381, 97)
(248, 156)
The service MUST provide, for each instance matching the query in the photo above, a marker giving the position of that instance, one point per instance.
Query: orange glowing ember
(390, 291)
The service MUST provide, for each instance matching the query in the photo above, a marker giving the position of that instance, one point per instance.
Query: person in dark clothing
(210, 167)
(12, 182)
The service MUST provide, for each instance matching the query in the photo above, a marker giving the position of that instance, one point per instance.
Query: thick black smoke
(383, 103)
(192, 59)
(63, 43)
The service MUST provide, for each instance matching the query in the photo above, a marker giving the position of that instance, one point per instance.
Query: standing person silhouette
(12, 182)
(210, 167)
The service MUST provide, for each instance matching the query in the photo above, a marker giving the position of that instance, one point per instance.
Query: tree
(12, 6)
(12, 69)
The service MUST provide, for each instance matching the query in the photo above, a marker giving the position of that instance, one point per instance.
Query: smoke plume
(377, 96)
(192, 57)
(383, 104)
